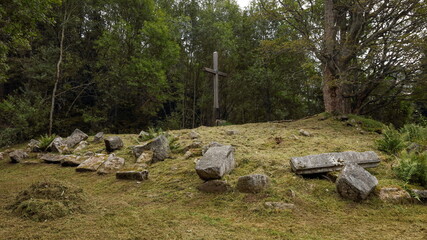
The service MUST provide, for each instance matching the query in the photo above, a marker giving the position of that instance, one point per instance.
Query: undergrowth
(45, 141)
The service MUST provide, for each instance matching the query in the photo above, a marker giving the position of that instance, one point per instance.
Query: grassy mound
(49, 200)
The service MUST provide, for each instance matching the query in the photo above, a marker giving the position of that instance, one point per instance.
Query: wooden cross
(216, 74)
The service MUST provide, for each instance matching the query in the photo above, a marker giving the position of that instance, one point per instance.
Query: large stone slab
(132, 175)
(58, 145)
(72, 160)
(355, 182)
(98, 137)
(214, 186)
(52, 158)
(17, 156)
(216, 162)
(328, 162)
(33, 146)
(75, 138)
(111, 165)
(254, 183)
(159, 146)
(92, 163)
(113, 143)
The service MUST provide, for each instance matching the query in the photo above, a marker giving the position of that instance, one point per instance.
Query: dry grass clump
(47, 200)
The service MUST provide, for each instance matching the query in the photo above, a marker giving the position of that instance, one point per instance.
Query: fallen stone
(132, 175)
(92, 163)
(89, 154)
(143, 134)
(188, 154)
(57, 145)
(304, 133)
(252, 183)
(279, 205)
(52, 158)
(216, 162)
(82, 145)
(212, 144)
(2, 156)
(421, 194)
(145, 157)
(394, 195)
(33, 146)
(17, 156)
(328, 162)
(75, 138)
(98, 137)
(113, 143)
(193, 135)
(111, 165)
(159, 146)
(231, 132)
(214, 186)
(72, 160)
(355, 183)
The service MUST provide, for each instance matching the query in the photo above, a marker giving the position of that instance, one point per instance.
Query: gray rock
(145, 157)
(214, 186)
(17, 156)
(75, 138)
(132, 175)
(89, 154)
(111, 165)
(421, 194)
(216, 162)
(34, 146)
(304, 133)
(355, 182)
(2, 154)
(57, 145)
(193, 135)
(231, 132)
(188, 154)
(92, 163)
(159, 146)
(394, 195)
(252, 183)
(52, 158)
(212, 144)
(279, 205)
(72, 161)
(82, 145)
(113, 143)
(328, 162)
(98, 137)
(143, 134)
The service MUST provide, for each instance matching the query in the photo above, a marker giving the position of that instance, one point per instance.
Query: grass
(168, 205)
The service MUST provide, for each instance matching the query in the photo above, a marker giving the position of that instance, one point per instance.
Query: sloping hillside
(168, 205)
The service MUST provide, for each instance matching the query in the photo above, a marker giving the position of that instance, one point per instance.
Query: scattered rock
(89, 154)
(17, 156)
(143, 134)
(159, 146)
(57, 145)
(231, 132)
(193, 135)
(34, 146)
(111, 165)
(113, 143)
(212, 144)
(328, 162)
(214, 186)
(252, 183)
(188, 154)
(355, 182)
(75, 138)
(220, 122)
(342, 118)
(72, 161)
(52, 158)
(2, 156)
(98, 137)
(216, 162)
(279, 205)
(352, 123)
(82, 145)
(92, 163)
(295, 137)
(304, 133)
(145, 157)
(421, 194)
(195, 144)
(394, 195)
(132, 175)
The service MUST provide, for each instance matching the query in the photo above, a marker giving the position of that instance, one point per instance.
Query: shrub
(412, 168)
(368, 124)
(152, 133)
(414, 133)
(45, 141)
(392, 143)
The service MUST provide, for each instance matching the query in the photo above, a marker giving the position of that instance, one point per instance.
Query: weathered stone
(2, 156)
(111, 165)
(328, 162)
(231, 132)
(394, 195)
(143, 134)
(355, 182)
(75, 138)
(98, 137)
(214, 186)
(57, 145)
(159, 146)
(212, 144)
(82, 145)
(89, 154)
(33, 146)
(72, 161)
(252, 183)
(17, 156)
(421, 194)
(132, 175)
(145, 157)
(52, 158)
(193, 135)
(279, 205)
(92, 163)
(216, 162)
(113, 143)
(188, 154)
(304, 133)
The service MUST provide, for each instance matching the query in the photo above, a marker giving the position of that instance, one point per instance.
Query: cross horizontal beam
(210, 70)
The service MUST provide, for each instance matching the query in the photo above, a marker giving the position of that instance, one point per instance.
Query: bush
(414, 133)
(412, 168)
(152, 133)
(392, 143)
(45, 141)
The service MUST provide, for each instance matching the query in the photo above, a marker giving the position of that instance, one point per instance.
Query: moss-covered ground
(168, 205)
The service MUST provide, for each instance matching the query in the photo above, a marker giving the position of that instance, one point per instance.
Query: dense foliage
(122, 66)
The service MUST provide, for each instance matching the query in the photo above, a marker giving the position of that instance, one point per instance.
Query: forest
(121, 66)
